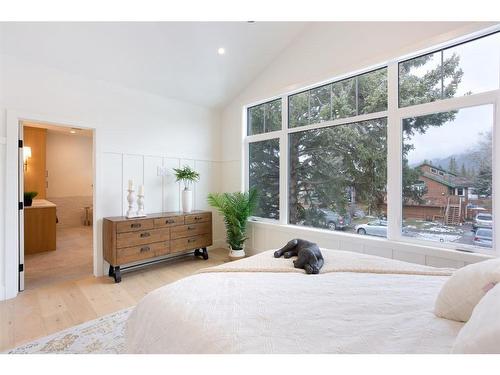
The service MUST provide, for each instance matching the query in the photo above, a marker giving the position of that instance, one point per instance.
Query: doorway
(56, 180)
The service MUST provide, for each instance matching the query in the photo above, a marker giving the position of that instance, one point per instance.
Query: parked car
(482, 221)
(483, 237)
(373, 228)
(335, 221)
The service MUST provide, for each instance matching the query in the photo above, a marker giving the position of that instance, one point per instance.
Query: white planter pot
(187, 200)
(237, 253)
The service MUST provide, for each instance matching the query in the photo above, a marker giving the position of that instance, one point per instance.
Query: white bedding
(233, 311)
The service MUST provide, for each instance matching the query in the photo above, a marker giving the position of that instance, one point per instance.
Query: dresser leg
(205, 253)
(111, 271)
(117, 274)
(197, 253)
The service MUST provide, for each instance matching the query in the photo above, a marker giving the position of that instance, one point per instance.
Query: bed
(357, 304)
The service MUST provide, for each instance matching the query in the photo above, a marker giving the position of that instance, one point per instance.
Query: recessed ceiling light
(221, 51)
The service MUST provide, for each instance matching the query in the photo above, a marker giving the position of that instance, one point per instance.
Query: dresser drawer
(128, 239)
(163, 222)
(189, 243)
(134, 225)
(190, 230)
(198, 218)
(136, 253)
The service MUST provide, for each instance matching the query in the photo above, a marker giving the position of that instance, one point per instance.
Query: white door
(21, 208)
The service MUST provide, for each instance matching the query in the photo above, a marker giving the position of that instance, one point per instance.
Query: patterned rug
(104, 335)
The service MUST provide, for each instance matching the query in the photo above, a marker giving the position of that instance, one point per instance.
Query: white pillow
(481, 334)
(465, 288)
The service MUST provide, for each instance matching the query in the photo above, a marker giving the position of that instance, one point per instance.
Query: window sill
(393, 245)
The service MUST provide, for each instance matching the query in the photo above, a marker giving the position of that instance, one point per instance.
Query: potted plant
(236, 209)
(187, 176)
(28, 197)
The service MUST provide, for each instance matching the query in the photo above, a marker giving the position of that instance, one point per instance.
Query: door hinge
(20, 143)
(21, 268)
(21, 205)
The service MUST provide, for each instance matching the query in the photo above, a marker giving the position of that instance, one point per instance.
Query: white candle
(131, 184)
(141, 190)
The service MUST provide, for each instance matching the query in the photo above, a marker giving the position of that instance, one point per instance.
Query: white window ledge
(338, 240)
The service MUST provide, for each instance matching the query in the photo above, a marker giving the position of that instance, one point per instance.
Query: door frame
(12, 228)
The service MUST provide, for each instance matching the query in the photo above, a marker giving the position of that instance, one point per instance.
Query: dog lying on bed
(309, 256)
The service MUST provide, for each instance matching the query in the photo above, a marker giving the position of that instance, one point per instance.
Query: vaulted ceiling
(172, 59)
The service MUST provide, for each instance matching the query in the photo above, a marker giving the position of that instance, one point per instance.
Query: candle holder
(131, 199)
(140, 205)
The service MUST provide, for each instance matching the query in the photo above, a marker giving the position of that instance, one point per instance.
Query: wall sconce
(26, 156)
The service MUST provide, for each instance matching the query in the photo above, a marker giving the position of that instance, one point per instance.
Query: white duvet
(358, 304)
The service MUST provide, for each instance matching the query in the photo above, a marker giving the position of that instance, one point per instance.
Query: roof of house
(450, 180)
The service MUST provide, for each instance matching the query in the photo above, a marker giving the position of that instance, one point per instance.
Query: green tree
(325, 164)
(452, 165)
(484, 181)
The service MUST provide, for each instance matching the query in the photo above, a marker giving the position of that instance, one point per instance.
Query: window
(264, 175)
(363, 94)
(264, 118)
(337, 176)
(465, 69)
(461, 142)
(334, 146)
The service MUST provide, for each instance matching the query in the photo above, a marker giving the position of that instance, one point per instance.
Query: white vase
(187, 200)
(236, 253)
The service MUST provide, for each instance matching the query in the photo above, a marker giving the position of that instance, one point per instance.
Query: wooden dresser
(139, 240)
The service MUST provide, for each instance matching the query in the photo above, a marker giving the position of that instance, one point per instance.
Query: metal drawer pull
(191, 227)
(135, 225)
(192, 240)
(198, 217)
(145, 234)
(145, 248)
(170, 221)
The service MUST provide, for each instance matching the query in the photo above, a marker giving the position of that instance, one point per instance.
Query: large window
(337, 177)
(264, 175)
(362, 94)
(447, 177)
(417, 168)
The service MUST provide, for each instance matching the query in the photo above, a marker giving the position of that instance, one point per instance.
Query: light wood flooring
(71, 260)
(47, 309)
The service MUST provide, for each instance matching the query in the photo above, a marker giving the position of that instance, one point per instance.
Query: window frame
(395, 116)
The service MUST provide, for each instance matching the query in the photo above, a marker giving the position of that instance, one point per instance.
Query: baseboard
(217, 244)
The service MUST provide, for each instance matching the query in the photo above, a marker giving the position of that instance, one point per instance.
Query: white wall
(321, 52)
(136, 131)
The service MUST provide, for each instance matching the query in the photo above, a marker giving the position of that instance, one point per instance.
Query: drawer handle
(191, 240)
(135, 225)
(191, 227)
(198, 217)
(145, 248)
(145, 234)
(170, 221)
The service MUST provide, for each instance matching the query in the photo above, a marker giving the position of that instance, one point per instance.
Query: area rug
(104, 335)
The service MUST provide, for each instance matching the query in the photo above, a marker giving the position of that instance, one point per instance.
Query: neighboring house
(446, 196)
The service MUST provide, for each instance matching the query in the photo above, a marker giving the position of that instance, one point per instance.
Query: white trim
(394, 147)
(11, 194)
(283, 187)
(3, 140)
(417, 248)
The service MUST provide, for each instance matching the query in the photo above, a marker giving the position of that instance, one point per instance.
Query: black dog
(309, 256)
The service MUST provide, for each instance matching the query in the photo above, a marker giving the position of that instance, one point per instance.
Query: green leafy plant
(236, 209)
(28, 197)
(186, 175)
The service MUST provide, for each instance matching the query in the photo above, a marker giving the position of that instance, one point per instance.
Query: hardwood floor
(41, 311)
(71, 260)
